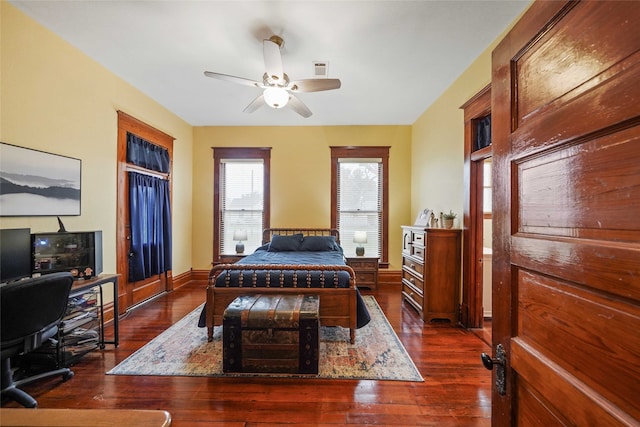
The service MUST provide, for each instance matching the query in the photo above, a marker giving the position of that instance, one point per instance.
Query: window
(359, 197)
(486, 188)
(241, 198)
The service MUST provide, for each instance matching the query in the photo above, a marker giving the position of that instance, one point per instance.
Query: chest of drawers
(431, 271)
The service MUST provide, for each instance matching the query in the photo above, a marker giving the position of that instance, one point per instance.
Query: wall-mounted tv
(77, 252)
(15, 254)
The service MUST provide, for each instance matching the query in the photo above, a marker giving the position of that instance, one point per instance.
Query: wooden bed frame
(337, 305)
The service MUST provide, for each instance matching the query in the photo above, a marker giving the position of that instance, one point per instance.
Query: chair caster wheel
(67, 377)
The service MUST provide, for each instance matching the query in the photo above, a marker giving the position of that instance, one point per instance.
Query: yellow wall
(300, 176)
(437, 144)
(56, 99)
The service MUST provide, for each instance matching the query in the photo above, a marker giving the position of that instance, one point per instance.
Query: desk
(81, 286)
(23, 417)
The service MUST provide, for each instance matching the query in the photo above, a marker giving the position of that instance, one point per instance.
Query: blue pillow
(319, 243)
(264, 247)
(285, 243)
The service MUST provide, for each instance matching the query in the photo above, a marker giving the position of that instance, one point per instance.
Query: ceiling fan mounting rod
(277, 40)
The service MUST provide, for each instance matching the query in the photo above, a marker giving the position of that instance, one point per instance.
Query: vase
(448, 223)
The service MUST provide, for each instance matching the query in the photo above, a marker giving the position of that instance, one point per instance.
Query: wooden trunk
(271, 333)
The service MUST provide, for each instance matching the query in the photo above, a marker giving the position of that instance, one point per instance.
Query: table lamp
(360, 237)
(240, 236)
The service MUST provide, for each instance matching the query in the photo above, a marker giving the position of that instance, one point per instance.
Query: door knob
(488, 362)
(500, 361)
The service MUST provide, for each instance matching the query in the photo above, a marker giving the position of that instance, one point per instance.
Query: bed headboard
(268, 232)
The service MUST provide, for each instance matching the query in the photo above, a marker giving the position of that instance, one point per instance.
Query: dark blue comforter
(262, 256)
(312, 279)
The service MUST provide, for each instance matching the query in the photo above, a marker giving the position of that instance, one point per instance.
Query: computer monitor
(77, 252)
(15, 254)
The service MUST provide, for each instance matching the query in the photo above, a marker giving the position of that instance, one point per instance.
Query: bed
(292, 261)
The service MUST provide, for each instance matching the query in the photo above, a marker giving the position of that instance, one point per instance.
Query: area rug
(183, 350)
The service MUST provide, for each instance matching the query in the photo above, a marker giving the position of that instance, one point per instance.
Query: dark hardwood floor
(456, 390)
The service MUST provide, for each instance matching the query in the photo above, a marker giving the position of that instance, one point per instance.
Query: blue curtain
(483, 132)
(150, 209)
(143, 153)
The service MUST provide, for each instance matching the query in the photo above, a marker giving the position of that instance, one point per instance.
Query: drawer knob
(412, 265)
(412, 280)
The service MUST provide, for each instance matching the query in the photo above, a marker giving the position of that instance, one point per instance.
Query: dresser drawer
(363, 264)
(366, 278)
(412, 296)
(414, 281)
(417, 251)
(417, 238)
(413, 265)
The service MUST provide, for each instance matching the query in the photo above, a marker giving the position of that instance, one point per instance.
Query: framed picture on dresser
(423, 217)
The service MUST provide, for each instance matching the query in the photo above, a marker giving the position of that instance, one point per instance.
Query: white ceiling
(394, 58)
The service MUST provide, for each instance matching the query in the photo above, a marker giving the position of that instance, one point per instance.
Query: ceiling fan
(278, 89)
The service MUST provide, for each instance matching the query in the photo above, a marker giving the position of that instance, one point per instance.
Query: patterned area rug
(183, 350)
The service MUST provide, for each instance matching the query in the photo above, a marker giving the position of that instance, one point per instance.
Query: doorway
(134, 288)
(477, 247)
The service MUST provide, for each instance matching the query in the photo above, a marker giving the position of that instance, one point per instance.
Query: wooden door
(131, 293)
(566, 155)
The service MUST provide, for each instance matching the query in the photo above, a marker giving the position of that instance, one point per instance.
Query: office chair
(32, 309)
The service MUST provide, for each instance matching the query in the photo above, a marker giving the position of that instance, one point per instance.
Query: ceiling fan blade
(298, 106)
(273, 59)
(314, 85)
(233, 79)
(255, 104)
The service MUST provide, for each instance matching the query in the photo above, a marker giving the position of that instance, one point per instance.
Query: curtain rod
(143, 171)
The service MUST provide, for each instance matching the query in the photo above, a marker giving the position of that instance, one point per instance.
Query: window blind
(242, 202)
(359, 203)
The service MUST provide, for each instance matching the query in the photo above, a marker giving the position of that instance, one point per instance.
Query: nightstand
(229, 259)
(366, 269)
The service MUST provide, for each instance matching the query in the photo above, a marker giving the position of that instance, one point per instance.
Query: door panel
(589, 335)
(531, 409)
(566, 277)
(574, 56)
(603, 172)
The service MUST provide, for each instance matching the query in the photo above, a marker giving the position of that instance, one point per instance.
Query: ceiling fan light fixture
(278, 90)
(276, 97)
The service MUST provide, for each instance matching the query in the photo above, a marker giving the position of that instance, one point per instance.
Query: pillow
(264, 247)
(319, 243)
(284, 243)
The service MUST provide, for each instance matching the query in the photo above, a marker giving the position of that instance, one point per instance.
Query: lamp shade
(360, 237)
(276, 97)
(240, 235)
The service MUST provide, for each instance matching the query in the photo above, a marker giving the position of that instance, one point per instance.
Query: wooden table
(24, 417)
